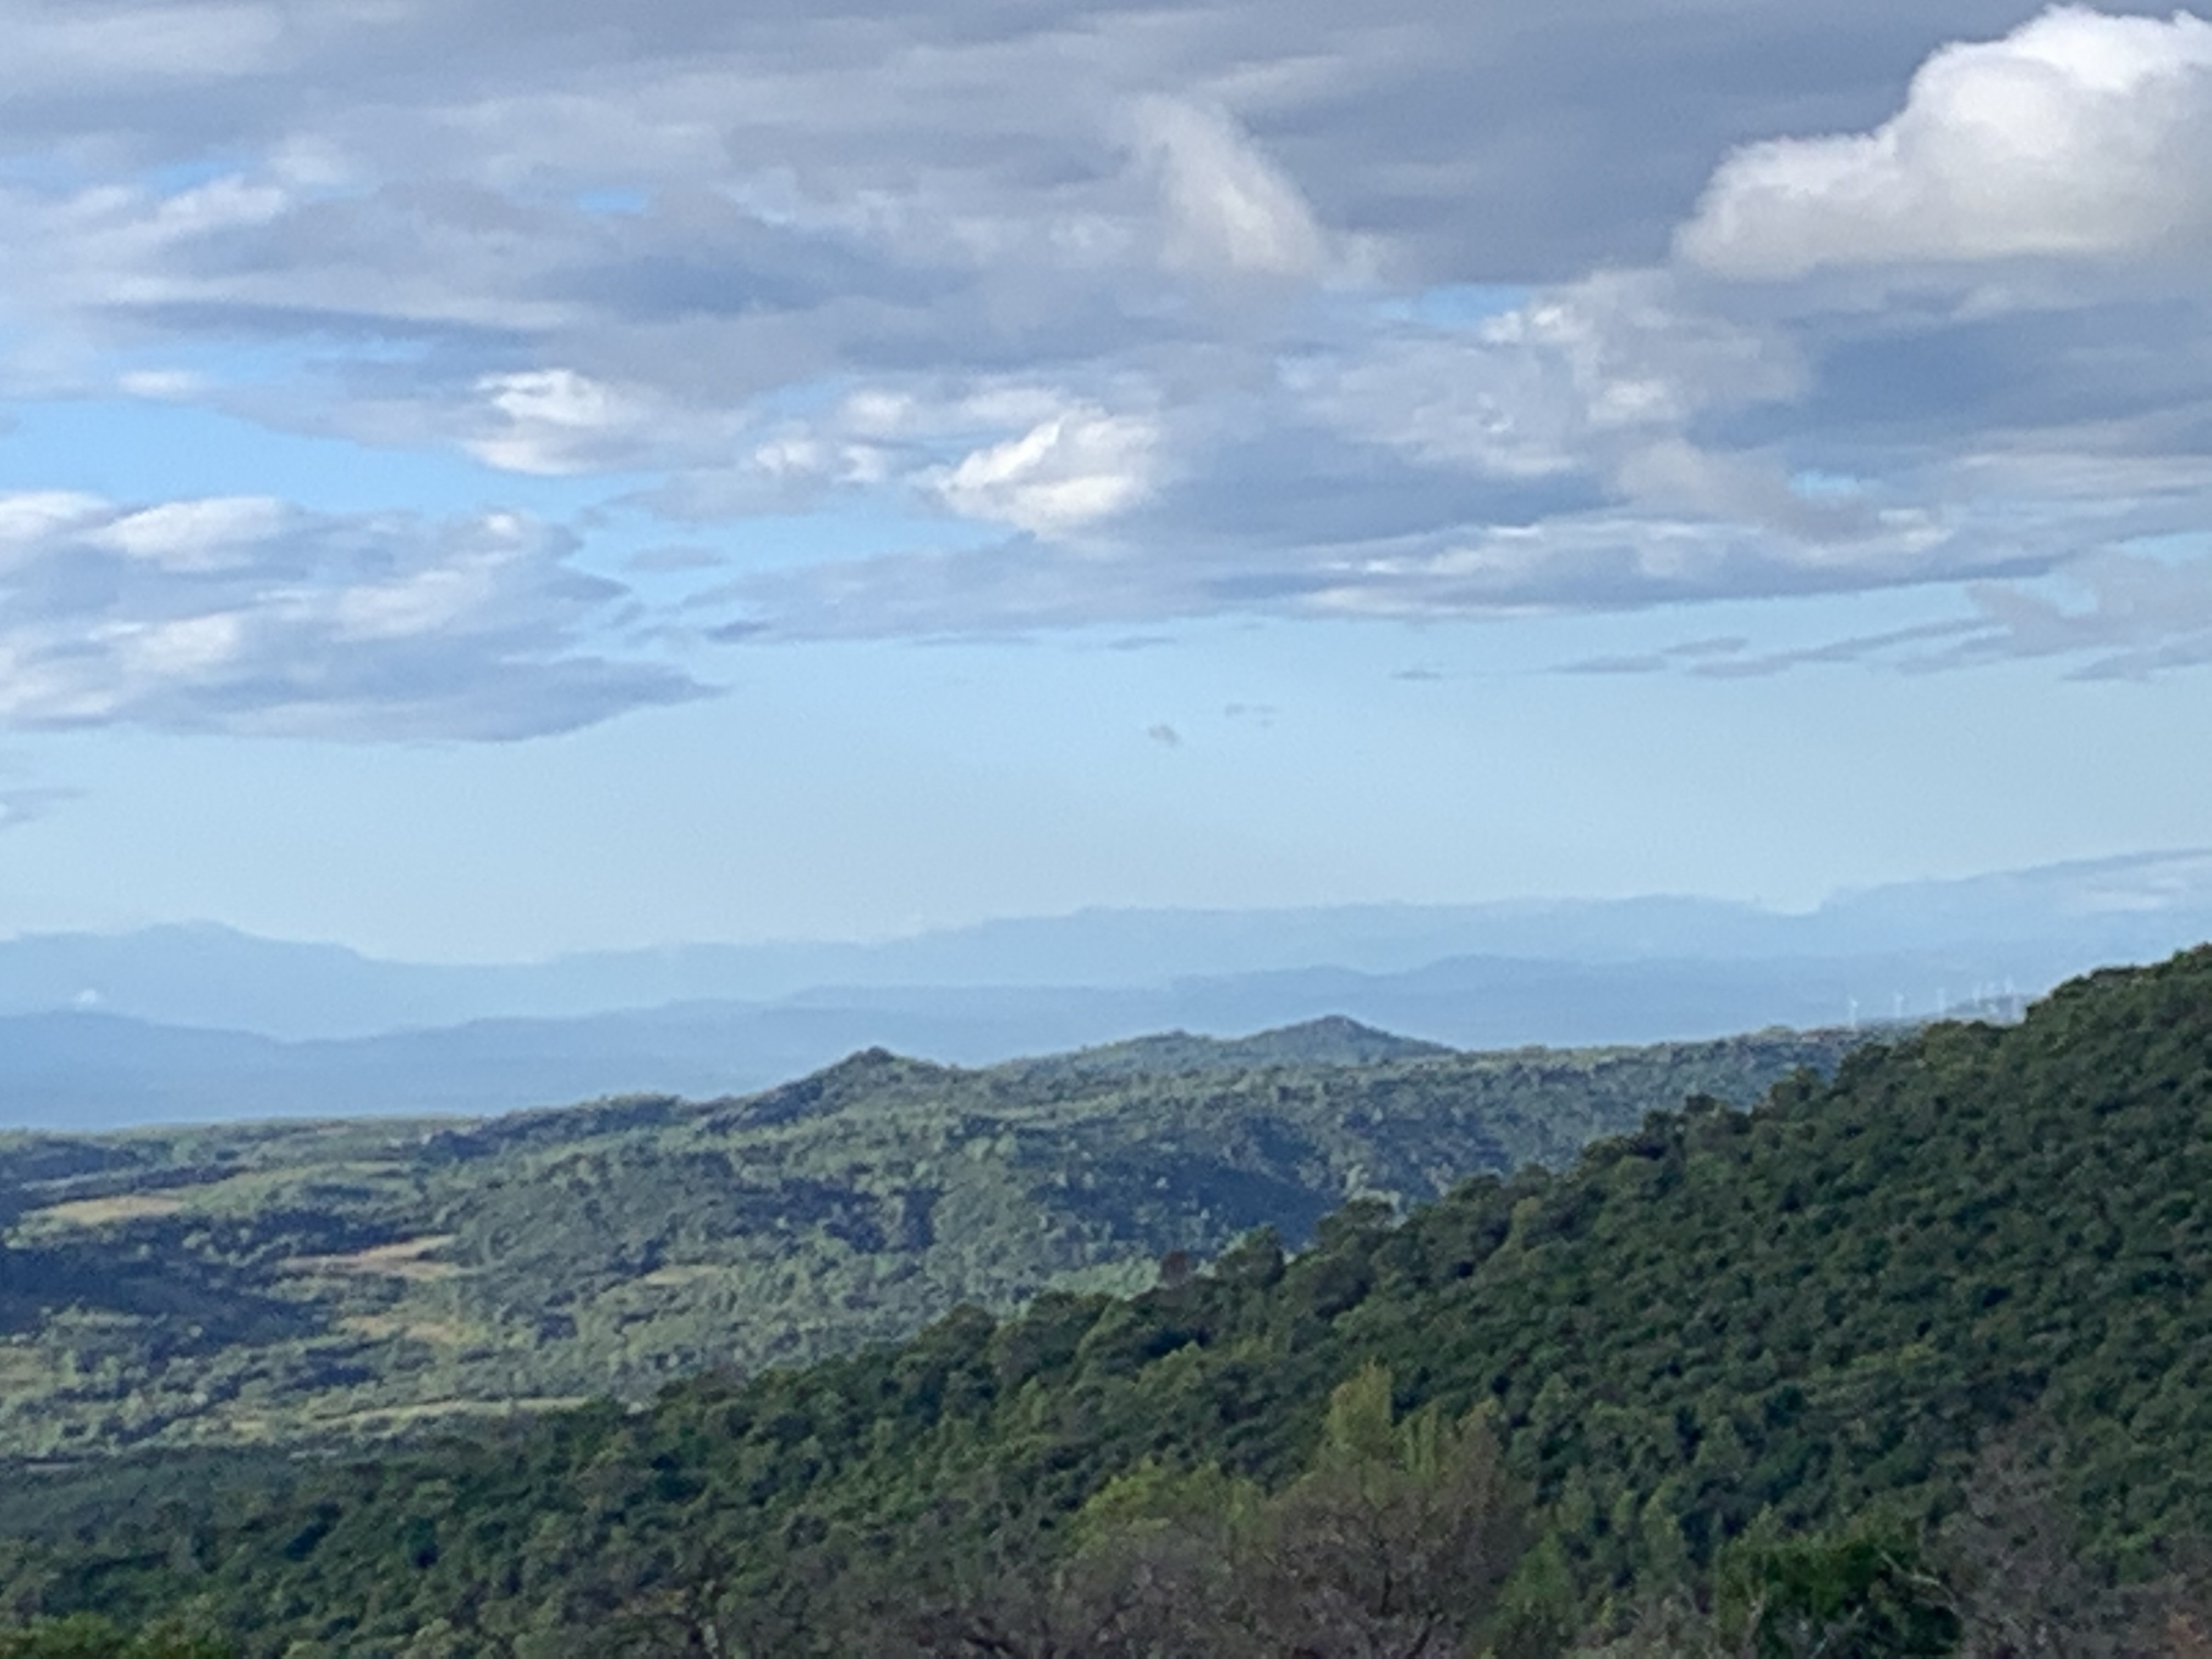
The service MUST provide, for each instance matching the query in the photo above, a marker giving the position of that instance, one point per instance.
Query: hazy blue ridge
(90, 1071)
(2035, 926)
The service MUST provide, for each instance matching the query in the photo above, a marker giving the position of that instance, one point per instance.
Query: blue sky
(479, 484)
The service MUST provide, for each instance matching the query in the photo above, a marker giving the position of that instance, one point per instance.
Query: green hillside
(272, 1283)
(1334, 1041)
(1773, 1364)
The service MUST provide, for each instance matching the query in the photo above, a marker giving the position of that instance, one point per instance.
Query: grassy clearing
(106, 1211)
(438, 1333)
(406, 1258)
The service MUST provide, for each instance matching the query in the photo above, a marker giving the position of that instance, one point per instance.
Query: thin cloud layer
(244, 614)
(1771, 304)
(2111, 615)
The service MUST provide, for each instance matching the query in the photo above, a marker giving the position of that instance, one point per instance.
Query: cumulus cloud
(1004, 452)
(553, 421)
(1140, 291)
(1070, 469)
(2078, 135)
(248, 615)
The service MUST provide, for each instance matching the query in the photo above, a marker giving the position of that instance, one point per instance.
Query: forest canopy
(1873, 1367)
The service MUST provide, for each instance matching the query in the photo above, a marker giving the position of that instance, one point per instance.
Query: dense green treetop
(1781, 1337)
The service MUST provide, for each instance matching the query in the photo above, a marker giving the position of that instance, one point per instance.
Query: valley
(327, 1280)
(1793, 1377)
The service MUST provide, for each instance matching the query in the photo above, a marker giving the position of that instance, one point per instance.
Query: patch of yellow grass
(100, 1212)
(393, 1417)
(442, 1333)
(23, 1367)
(251, 1189)
(680, 1273)
(407, 1259)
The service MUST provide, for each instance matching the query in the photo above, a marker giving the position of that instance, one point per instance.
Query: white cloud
(554, 421)
(249, 615)
(1737, 532)
(1147, 288)
(2078, 135)
(29, 519)
(1072, 468)
(161, 384)
(1227, 209)
(1570, 381)
(222, 532)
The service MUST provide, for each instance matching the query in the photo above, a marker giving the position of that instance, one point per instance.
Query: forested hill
(1333, 1040)
(267, 1283)
(1726, 1349)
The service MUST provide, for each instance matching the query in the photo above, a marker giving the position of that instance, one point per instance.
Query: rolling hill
(301, 1280)
(1777, 1361)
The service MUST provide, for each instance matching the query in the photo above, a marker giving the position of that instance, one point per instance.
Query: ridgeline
(1735, 1380)
(328, 1282)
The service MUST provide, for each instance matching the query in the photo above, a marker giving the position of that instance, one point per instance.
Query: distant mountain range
(84, 1070)
(2052, 922)
(201, 1023)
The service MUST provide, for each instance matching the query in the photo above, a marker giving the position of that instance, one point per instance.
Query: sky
(480, 481)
